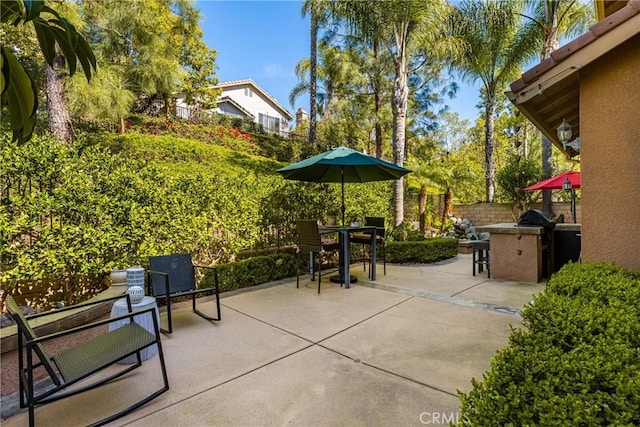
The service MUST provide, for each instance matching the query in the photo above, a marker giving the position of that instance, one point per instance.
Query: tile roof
(550, 92)
(597, 30)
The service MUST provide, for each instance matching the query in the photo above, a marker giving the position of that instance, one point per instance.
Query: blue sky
(264, 40)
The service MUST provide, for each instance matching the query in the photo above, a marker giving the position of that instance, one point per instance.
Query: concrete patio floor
(390, 352)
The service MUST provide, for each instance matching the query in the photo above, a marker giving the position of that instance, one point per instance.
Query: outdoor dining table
(344, 233)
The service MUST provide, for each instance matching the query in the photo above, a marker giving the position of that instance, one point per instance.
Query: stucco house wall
(231, 110)
(610, 156)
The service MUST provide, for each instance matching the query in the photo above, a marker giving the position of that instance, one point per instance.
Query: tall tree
(495, 45)
(335, 72)
(554, 20)
(403, 28)
(58, 40)
(314, 9)
(59, 116)
(155, 46)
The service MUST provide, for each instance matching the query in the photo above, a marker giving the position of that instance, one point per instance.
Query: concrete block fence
(493, 213)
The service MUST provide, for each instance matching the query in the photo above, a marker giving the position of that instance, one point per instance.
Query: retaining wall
(495, 213)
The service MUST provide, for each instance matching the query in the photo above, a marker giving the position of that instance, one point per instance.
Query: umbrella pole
(342, 182)
(573, 205)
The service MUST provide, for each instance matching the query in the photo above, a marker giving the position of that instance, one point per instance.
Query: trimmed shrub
(428, 250)
(253, 271)
(575, 362)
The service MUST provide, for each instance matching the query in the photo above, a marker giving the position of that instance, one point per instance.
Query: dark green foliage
(424, 251)
(254, 271)
(224, 131)
(108, 201)
(405, 232)
(55, 34)
(575, 362)
(517, 174)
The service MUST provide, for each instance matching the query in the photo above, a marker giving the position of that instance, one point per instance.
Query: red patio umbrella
(555, 182)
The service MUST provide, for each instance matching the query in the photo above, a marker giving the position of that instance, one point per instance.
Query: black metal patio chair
(310, 240)
(173, 276)
(77, 364)
(364, 238)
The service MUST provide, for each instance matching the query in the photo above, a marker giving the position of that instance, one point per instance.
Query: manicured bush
(576, 359)
(405, 232)
(107, 201)
(428, 250)
(253, 271)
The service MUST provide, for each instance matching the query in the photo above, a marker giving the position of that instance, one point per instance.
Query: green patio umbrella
(342, 165)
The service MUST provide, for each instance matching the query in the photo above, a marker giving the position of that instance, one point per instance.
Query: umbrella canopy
(555, 182)
(342, 165)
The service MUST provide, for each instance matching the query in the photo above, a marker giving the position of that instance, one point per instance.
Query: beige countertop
(508, 228)
(565, 226)
(513, 228)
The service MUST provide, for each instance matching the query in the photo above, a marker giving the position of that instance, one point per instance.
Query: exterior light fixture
(566, 185)
(564, 135)
(564, 132)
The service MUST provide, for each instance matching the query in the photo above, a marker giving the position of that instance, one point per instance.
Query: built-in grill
(537, 218)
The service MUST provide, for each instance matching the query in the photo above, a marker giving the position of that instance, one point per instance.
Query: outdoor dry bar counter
(516, 252)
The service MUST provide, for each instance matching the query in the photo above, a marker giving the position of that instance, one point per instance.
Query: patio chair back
(85, 359)
(376, 222)
(173, 276)
(25, 329)
(309, 239)
(181, 273)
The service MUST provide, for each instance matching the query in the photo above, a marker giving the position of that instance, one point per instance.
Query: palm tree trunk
(546, 173)
(59, 117)
(399, 97)
(377, 96)
(446, 209)
(399, 106)
(488, 147)
(313, 76)
(551, 42)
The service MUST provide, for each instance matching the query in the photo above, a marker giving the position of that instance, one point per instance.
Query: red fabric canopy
(555, 182)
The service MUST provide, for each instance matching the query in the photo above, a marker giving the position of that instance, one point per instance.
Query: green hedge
(575, 362)
(260, 269)
(429, 250)
(253, 271)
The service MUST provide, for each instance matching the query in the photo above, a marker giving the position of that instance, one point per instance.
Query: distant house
(247, 100)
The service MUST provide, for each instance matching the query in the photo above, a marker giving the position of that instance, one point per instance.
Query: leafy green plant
(574, 362)
(254, 271)
(518, 173)
(405, 232)
(18, 90)
(423, 251)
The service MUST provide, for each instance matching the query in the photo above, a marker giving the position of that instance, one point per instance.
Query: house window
(269, 123)
(248, 92)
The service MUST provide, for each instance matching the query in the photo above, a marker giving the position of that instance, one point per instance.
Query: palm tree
(313, 113)
(496, 44)
(555, 19)
(335, 72)
(403, 28)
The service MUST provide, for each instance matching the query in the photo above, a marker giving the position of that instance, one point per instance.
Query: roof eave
(549, 92)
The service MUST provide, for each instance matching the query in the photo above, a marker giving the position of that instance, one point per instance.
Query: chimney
(301, 116)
